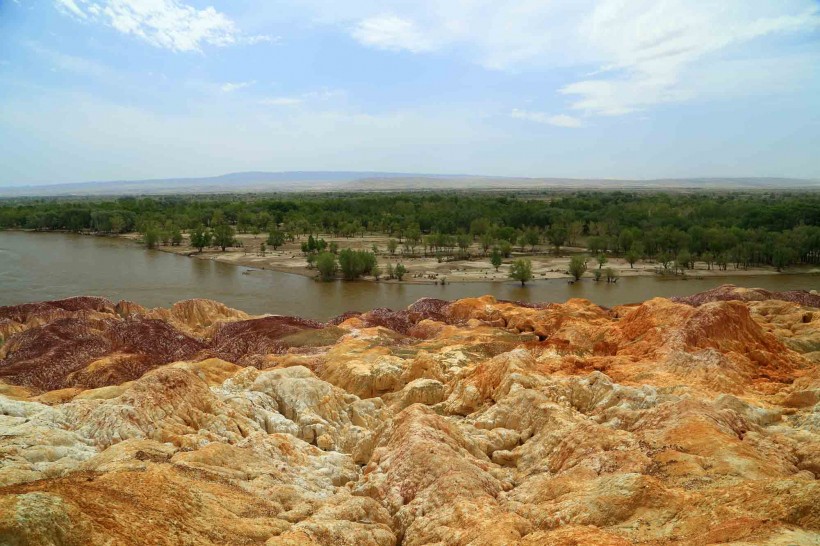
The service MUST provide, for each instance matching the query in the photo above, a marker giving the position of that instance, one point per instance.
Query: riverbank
(429, 270)
(40, 266)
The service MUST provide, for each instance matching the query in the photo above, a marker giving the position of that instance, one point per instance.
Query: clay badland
(475, 422)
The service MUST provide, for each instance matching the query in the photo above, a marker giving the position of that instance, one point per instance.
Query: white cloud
(635, 54)
(393, 33)
(498, 35)
(560, 120)
(69, 6)
(321, 95)
(260, 39)
(653, 51)
(616, 57)
(281, 101)
(169, 24)
(229, 87)
(324, 94)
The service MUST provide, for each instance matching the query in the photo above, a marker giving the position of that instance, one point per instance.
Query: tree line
(779, 229)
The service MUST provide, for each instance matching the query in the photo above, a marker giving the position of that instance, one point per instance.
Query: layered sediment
(473, 422)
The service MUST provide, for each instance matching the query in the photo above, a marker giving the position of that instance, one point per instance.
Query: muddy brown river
(47, 266)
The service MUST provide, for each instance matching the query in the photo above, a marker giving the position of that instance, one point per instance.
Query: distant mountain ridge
(239, 181)
(317, 181)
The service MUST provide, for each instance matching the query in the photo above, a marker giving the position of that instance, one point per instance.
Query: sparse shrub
(521, 270)
(355, 263)
(577, 267)
(495, 258)
(326, 264)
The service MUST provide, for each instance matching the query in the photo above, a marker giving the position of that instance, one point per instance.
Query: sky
(131, 89)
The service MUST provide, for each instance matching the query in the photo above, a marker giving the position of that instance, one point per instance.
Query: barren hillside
(475, 422)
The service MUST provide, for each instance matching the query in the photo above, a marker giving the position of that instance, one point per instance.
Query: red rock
(474, 422)
(729, 292)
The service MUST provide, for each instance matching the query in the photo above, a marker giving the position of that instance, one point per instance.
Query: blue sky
(129, 89)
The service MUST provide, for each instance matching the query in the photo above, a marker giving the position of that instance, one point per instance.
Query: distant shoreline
(290, 259)
(427, 270)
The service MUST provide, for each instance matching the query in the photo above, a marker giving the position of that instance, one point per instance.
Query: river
(48, 266)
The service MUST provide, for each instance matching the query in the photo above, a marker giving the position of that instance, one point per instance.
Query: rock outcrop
(474, 422)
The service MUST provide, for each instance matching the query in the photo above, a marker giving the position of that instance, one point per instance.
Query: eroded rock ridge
(473, 422)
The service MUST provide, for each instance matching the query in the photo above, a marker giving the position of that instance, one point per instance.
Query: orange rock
(474, 422)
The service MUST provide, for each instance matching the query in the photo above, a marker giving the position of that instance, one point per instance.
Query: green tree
(217, 217)
(632, 257)
(224, 236)
(532, 238)
(709, 258)
(747, 229)
(683, 261)
(326, 264)
(521, 270)
(506, 248)
(602, 260)
(463, 242)
(495, 258)
(413, 237)
(176, 236)
(574, 231)
(355, 263)
(276, 238)
(611, 274)
(557, 236)
(577, 267)
(117, 223)
(151, 237)
(348, 264)
(783, 257)
(522, 241)
(400, 271)
(200, 237)
(626, 238)
(487, 240)
(596, 245)
(479, 227)
(634, 253)
(392, 245)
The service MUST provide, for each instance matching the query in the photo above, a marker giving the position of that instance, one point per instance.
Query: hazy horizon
(98, 90)
(363, 175)
(353, 181)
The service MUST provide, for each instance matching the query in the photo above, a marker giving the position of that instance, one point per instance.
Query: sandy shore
(428, 270)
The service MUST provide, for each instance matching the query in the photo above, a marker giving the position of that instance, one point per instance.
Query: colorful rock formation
(474, 422)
